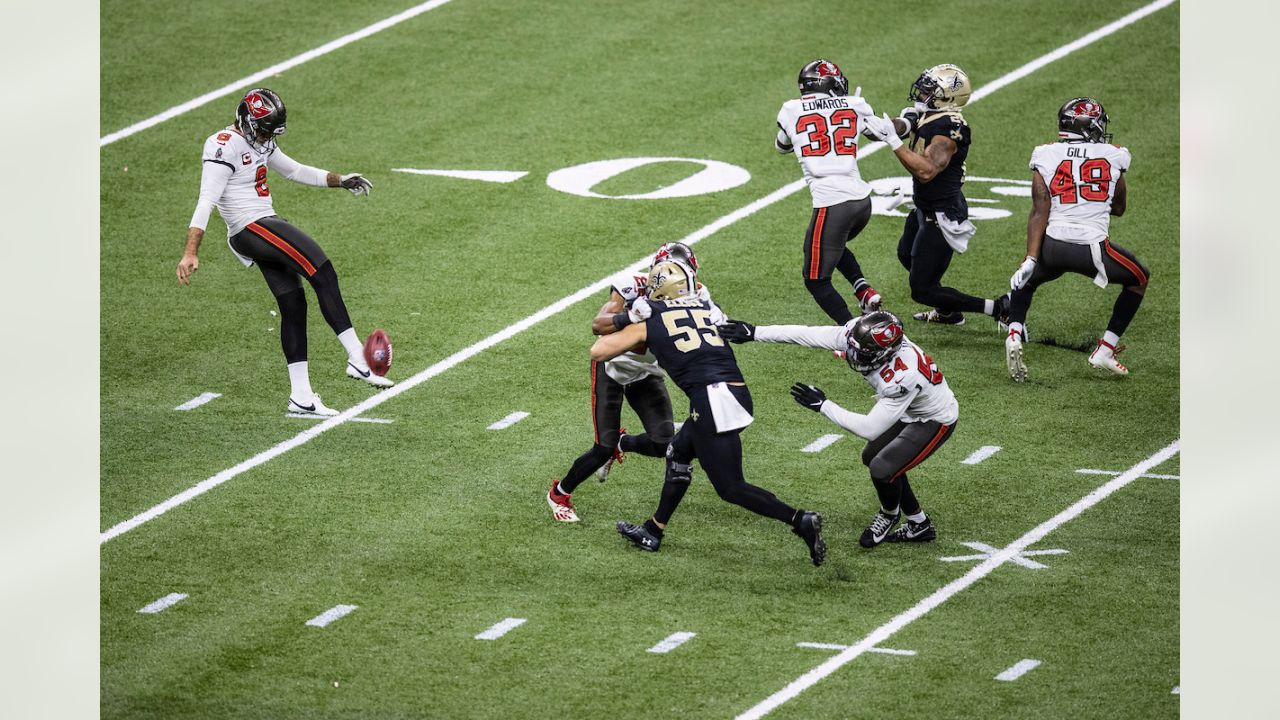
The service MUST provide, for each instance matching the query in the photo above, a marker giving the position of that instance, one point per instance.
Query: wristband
(621, 320)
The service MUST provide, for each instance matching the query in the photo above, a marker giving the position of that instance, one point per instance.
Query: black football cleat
(914, 532)
(1001, 311)
(810, 530)
(640, 537)
(879, 529)
(941, 318)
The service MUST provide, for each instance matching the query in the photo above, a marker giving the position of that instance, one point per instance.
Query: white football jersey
(246, 197)
(1081, 177)
(913, 370)
(823, 132)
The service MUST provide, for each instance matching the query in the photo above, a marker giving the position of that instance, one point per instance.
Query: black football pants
(285, 255)
(895, 451)
(1058, 257)
(924, 252)
(826, 249)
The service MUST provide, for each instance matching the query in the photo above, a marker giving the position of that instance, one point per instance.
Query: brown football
(377, 352)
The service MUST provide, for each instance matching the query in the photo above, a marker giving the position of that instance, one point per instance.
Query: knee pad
(678, 472)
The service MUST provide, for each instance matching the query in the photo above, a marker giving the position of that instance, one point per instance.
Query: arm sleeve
(861, 107)
(782, 143)
(882, 416)
(830, 338)
(213, 180)
(297, 172)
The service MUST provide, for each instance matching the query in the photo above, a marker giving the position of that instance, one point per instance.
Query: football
(377, 352)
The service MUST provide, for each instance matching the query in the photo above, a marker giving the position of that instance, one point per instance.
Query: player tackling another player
(1076, 185)
(234, 180)
(679, 331)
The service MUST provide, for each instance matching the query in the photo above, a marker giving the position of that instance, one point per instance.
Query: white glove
(356, 183)
(1023, 274)
(890, 133)
(640, 310)
(717, 315)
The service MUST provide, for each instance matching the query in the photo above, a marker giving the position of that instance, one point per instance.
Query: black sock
(293, 325)
(1125, 308)
(587, 463)
(890, 494)
(910, 505)
(643, 444)
(829, 300)
(652, 527)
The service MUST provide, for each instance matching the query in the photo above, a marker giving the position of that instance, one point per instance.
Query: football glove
(808, 396)
(717, 316)
(356, 183)
(737, 331)
(1023, 274)
(882, 129)
(640, 310)
(911, 115)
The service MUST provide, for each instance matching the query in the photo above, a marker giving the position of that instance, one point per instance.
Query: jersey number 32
(844, 133)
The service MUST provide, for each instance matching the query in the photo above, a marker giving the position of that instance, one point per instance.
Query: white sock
(355, 348)
(299, 381)
(1110, 338)
(918, 517)
(889, 512)
(989, 307)
(559, 489)
(1015, 328)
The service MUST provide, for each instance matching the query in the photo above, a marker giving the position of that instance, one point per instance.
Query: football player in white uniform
(234, 180)
(821, 128)
(939, 227)
(914, 415)
(633, 376)
(1077, 183)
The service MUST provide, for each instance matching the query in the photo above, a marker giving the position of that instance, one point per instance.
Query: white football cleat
(1103, 357)
(561, 506)
(312, 406)
(368, 376)
(1013, 356)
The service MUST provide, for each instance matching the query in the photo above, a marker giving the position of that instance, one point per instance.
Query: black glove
(737, 331)
(808, 396)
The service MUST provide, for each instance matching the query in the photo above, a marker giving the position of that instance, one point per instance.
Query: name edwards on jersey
(831, 103)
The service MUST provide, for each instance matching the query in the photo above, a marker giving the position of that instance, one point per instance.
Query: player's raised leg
(1122, 267)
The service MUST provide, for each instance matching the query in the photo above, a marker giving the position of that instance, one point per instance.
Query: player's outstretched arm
(609, 347)
(828, 337)
(612, 316)
(872, 425)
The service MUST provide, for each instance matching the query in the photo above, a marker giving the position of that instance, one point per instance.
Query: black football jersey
(688, 346)
(944, 192)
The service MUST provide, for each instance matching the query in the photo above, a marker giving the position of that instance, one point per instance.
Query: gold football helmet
(670, 281)
(941, 87)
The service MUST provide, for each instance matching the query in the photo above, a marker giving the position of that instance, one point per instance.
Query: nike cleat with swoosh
(311, 406)
(368, 376)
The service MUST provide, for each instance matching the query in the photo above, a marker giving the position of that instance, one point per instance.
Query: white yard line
(1020, 668)
(245, 83)
(981, 454)
(333, 613)
(500, 629)
(1157, 476)
(520, 326)
(163, 603)
(944, 593)
(198, 400)
(820, 444)
(833, 646)
(509, 420)
(493, 176)
(673, 641)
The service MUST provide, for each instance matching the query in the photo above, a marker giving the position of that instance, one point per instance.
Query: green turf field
(437, 528)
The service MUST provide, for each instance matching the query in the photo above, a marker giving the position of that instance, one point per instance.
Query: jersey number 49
(1094, 184)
